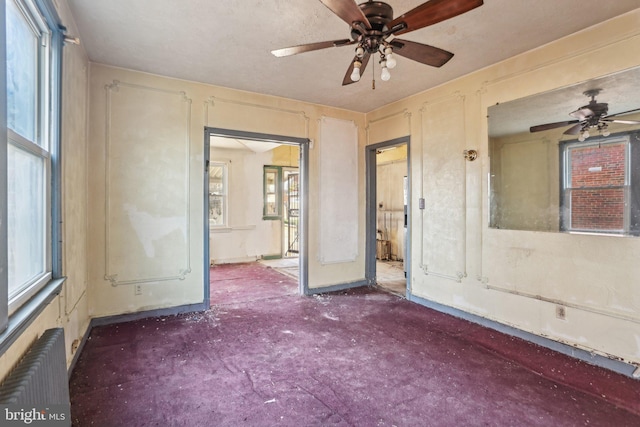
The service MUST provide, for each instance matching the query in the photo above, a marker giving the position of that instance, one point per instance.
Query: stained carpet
(265, 356)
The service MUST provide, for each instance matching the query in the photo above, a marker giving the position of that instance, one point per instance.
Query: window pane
(217, 193)
(271, 207)
(26, 218)
(598, 165)
(22, 73)
(216, 210)
(597, 209)
(272, 189)
(597, 178)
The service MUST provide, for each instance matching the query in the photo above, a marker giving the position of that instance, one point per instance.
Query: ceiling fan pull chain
(373, 75)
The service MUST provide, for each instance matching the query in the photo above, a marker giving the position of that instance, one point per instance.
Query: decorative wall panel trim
(338, 191)
(147, 184)
(443, 170)
(569, 304)
(371, 125)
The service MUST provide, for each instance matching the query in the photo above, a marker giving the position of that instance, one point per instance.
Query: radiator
(40, 378)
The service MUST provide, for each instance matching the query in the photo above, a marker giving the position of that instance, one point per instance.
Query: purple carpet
(265, 356)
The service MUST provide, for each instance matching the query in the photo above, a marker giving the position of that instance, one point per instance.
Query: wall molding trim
(112, 275)
(212, 100)
(618, 366)
(461, 262)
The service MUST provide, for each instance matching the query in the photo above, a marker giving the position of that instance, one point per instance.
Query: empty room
(320, 212)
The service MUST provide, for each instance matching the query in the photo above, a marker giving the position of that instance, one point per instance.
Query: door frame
(303, 145)
(371, 209)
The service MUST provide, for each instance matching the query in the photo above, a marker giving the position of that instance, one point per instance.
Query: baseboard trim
(617, 366)
(76, 356)
(129, 317)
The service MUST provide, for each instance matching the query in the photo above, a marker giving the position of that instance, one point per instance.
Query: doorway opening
(255, 202)
(388, 222)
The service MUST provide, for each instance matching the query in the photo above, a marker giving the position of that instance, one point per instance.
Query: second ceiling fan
(372, 23)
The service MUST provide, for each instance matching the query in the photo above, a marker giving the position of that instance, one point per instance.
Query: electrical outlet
(561, 312)
(137, 289)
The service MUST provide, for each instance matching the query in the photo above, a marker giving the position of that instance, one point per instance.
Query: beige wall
(514, 277)
(146, 152)
(69, 309)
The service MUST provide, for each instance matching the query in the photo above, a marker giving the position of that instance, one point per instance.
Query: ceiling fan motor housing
(379, 14)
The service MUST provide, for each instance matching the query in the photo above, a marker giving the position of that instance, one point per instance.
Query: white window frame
(224, 195)
(567, 189)
(43, 20)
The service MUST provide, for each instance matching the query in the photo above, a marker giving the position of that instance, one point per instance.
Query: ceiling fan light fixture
(372, 22)
(355, 74)
(391, 59)
(584, 134)
(603, 128)
(385, 75)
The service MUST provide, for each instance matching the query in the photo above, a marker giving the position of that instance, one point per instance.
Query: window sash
(39, 134)
(612, 223)
(31, 269)
(272, 192)
(218, 197)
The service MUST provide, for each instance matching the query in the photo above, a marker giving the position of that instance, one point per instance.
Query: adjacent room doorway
(248, 201)
(388, 210)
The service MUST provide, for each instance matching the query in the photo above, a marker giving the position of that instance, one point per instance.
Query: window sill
(20, 320)
(595, 233)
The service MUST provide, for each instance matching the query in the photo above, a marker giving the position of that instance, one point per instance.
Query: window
(218, 189)
(598, 179)
(33, 45)
(272, 192)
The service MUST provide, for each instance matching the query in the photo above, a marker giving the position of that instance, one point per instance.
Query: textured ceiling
(228, 43)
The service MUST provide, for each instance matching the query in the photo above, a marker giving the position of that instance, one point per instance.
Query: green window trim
(272, 193)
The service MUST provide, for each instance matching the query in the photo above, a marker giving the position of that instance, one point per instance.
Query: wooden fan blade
(430, 13)
(624, 122)
(423, 53)
(623, 113)
(582, 113)
(347, 77)
(548, 126)
(573, 130)
(288, 51)
(348, 11)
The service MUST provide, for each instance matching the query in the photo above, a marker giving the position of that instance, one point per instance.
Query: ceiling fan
(372, 23)
(594, 115)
